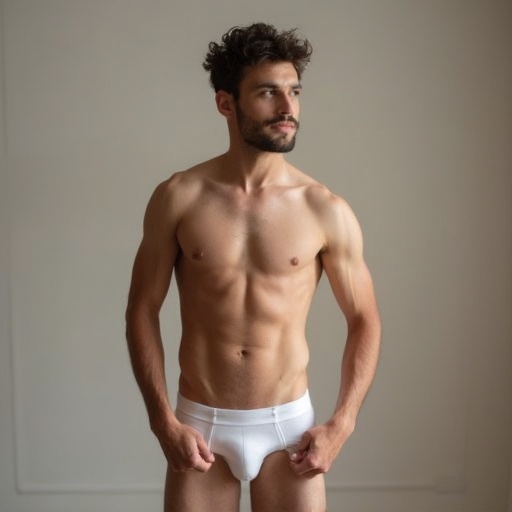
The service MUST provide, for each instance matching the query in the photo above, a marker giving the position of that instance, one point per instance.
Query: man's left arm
(351, 282)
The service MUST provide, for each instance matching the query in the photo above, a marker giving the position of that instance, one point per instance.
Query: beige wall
(407, 113)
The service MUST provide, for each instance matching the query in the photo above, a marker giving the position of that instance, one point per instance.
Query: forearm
(321, 444)
(148, 363)
(358, 368)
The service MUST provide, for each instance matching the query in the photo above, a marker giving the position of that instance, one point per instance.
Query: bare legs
(214, 491)
(276, 489)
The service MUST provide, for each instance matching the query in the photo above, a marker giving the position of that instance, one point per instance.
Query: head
(248, 61)
(243, 47)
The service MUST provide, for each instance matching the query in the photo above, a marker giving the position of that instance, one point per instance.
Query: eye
(295, 92)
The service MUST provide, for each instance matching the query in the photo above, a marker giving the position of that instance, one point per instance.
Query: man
(248, 236)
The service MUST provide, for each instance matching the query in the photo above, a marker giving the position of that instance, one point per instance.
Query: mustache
(282, 119)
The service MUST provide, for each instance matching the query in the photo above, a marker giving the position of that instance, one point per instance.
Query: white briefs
(245, 437)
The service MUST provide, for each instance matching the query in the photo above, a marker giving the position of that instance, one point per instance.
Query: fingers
(204, 451)
(198, 463)
(308, 459)
(189, 453)
(192, 461)
(301, 449)
(309, 466)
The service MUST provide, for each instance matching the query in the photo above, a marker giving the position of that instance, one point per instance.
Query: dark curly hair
(248, 46)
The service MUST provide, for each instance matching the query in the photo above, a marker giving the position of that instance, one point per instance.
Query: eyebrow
(272, 85)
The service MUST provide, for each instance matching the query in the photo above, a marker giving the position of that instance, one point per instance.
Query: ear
(225, 103)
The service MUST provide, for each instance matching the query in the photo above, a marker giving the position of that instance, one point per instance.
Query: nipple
(197, 254)
(294, 261)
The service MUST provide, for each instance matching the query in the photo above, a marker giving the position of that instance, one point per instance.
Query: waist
(222, 373)
(241, 417)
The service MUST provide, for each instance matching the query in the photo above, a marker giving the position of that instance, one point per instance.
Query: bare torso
(247, 268)
(247, 236)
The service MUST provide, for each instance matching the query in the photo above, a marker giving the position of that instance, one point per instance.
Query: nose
(285, 105)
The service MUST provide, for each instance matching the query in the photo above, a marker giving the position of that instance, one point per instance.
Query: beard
(253, 133)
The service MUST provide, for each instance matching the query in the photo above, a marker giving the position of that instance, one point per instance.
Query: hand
(186, 449)
(317, 450)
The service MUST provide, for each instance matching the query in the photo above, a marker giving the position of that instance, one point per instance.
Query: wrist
(162, 422)
(342, 423)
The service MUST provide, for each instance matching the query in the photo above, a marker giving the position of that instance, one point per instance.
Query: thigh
(213, 491)
(277, 487)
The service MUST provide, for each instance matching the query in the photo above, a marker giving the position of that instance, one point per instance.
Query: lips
(285, 122)
(285, 125)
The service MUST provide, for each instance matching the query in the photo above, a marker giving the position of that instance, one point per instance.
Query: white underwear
(245, 437)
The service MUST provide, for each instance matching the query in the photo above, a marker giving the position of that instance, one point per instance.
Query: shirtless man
(249, 236)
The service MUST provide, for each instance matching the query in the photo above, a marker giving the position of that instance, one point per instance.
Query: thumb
(304, 442)
(302, 448)
(204, 451)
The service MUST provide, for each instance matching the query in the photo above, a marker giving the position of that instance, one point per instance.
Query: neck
(252, 169)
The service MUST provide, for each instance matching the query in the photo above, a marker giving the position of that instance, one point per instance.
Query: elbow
(130, 316)
(130, 312)
(368, 321)
(138, 315)
(365, 331)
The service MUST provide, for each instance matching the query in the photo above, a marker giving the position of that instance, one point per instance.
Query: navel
(197, 254)
(294, 261)
(243, 353)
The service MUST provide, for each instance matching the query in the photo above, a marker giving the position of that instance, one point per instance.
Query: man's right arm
(152, 272)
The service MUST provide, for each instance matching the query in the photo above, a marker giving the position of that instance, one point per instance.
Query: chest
(275, 233)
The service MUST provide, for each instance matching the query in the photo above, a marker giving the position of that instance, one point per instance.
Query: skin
(248, 236)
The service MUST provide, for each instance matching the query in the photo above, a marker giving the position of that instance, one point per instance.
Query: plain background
(406, 112)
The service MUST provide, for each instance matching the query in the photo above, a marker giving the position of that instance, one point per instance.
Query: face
(267, 108)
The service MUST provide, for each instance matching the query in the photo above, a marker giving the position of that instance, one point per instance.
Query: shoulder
(173, 196)
(335, 216)
(326, 205)
(180, 184)
(317, 195)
